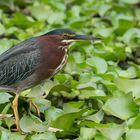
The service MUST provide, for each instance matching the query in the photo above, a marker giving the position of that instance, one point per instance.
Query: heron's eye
(66, 36)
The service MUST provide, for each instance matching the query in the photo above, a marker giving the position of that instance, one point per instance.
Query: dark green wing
(19, 62)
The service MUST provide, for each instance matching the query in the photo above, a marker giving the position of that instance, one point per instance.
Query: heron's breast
(52, 60)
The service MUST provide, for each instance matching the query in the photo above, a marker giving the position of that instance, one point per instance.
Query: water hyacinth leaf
(48, 85)
(100, 137)
(130, 2)
(32, 124)
(16, 136)
(77, 23)
(25, 22)
(62, 78)
(5, 110)
(2, 29)
(131, 72)
(136, 122)
(89, 94)
(41, 103)
(124, 23)
(88, 85)
(78, 57)
(47, 14)
(71, 67)
(87, 133)
(67, 120)
(129, 85)
(12, 136)
(35, 92)
(4, 135)
(41, 13)
(113, 132)
(72, 106)
(105, 32)
(85, 77)
(9, 121)
(43, 136)
(59, 88)
(130, 34)
(122, 107)
(133, 134)
(104, 8)
(54, 15)
(52, 113)
(4, 97)
(57, 5)
(97, 117)
(98, 63)
(5, 44)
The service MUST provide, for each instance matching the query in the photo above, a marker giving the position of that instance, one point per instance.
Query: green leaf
(131, 34)
(129, 85)
(5, 44)
(62, 78)
(25, 22)
(136, 123)
(43, 136)
(48, 86)
(113, 132)
(59, 88)
(133, 134)
(67, 121)
(87, 133)
(130, 2)
(109, 131)
(78, 57)
(16, 136)
(98, 63)
(35, 92)
(41, 103)
(40, 14)
(89, 85)
(105, 32)
(131, 72)
(124, 23)
(122, 107)
(32, 124)
(2, 29)
(72, 106)
(90, 94)
(9, 121)
(4, 97)
(5, 135)
(100, 137)
(97, 117)
(52, 113)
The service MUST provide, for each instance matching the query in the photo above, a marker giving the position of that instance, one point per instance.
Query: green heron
(34, 60)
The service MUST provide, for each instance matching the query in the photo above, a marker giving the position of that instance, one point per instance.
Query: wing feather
(19, 62)
(22, 47)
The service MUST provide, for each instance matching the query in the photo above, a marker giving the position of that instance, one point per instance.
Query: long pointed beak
(78, 37)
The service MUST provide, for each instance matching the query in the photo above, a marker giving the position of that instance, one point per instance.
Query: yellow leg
(15, 109)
